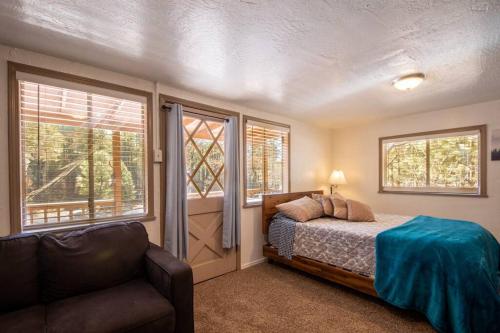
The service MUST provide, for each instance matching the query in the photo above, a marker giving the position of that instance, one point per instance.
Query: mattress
(350, 245)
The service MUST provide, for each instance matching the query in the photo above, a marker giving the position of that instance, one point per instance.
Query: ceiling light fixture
(408, 82)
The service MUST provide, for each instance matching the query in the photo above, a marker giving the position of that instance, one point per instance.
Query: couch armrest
(174, 280)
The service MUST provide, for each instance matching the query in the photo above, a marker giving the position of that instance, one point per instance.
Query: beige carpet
(274, 298)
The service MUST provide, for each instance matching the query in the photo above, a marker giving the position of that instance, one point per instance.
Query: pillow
(339, 206)
(326, 203)
(359, 212)
(301, 210)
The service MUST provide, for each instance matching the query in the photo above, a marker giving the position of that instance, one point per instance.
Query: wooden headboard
(270, 201)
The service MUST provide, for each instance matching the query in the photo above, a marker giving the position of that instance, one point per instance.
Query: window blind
(447, 162)
(267, 160)
(82, 155)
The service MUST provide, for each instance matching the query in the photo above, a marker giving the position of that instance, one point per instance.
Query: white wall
(355, 151)
(310, 146)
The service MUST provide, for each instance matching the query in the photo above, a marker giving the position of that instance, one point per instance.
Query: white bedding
(350, 245)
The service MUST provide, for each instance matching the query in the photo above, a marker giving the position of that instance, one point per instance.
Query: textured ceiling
(329, 62)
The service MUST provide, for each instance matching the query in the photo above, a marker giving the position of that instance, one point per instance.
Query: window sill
(444, 194)
(252, 205)
(55, 228)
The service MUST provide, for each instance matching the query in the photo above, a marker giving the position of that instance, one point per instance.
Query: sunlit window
(266, 159)
(447, 162)
(82, 154)
(204, 142)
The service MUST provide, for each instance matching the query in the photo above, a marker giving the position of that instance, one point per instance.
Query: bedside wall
(355, 151)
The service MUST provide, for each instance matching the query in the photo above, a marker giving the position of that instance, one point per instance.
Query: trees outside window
(80, 149)
(267, 159)
(441, 162)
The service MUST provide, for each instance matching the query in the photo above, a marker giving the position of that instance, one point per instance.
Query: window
(204, 142)
(82, 151)
(267, 159)
(440, 162)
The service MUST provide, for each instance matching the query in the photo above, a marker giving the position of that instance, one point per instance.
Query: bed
(339, 243)
(314, 260)
(448, 270)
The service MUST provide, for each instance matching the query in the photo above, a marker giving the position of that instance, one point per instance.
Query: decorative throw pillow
(326, 203)
(301, 210)
(359, 212)
(339, 206)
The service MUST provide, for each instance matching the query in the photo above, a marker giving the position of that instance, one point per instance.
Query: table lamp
(336, 178)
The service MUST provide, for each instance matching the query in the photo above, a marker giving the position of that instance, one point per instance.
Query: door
(204, 147)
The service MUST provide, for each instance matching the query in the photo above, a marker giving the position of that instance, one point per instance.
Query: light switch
(158, 156)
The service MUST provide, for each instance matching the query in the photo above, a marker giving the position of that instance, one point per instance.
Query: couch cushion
(18, 272)
(135, 305)
(92, 259)
(29, 320)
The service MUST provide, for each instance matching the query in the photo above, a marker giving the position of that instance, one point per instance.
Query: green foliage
(49, 149)
(266, 162)
(453, 162)
(406, 164)
(201, 175)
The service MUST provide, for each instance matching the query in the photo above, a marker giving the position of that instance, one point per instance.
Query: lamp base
(332, 187)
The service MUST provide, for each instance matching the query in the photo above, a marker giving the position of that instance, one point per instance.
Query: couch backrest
(92, 259)
(18, 272)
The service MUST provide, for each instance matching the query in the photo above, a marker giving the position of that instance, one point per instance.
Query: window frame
(14, 139)
(245, 185)
(483, 159)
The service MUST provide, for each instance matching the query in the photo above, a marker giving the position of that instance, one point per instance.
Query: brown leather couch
(106, 278)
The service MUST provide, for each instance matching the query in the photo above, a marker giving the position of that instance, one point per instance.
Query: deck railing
(57, 212)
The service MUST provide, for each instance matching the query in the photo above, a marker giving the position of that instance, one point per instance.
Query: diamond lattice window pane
(220, 141)
(193, 158)
(215, 159)
(204, 156)
(215, 191)
(192, 192)
(190, 124)
(221, 177)
(203, 138)
(203, 178)
(215, 127)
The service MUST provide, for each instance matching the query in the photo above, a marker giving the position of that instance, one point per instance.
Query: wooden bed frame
(318, 268)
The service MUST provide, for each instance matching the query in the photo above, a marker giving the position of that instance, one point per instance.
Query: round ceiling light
(408, 82)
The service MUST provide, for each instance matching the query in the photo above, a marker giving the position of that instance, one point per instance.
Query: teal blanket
(446, 269)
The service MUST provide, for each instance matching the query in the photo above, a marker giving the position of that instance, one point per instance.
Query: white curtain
(231, 215)
(176, 219)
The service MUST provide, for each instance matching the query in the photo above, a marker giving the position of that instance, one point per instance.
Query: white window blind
(82, 155)
(267, 160)
(442, 163)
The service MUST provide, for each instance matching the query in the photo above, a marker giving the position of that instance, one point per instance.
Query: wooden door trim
(198, 106)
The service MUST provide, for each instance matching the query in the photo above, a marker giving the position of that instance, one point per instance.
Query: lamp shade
(337, 178)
